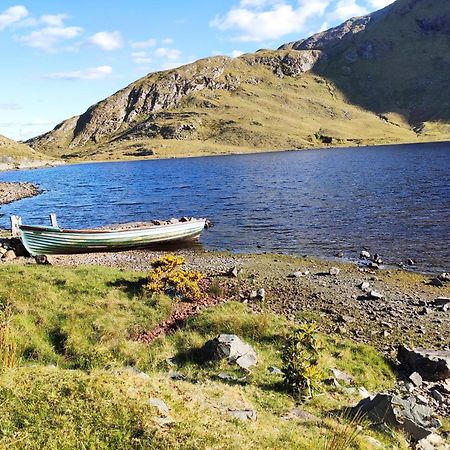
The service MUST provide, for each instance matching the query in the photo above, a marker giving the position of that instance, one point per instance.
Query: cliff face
(373, 79)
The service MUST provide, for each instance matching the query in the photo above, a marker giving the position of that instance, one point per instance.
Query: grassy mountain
(13, 151)
(382, 78)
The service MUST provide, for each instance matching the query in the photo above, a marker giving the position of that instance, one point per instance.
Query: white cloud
(172, 54)
(262, 24)
(167, 41)
(92, 73)
(345, 9)
(47, 38)
(12, 15)
(144, 44)
(378, 4)
(55, 20)
(107, 40)
(141, 58)
(236, 53)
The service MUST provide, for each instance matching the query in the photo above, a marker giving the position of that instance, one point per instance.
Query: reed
(7, 340)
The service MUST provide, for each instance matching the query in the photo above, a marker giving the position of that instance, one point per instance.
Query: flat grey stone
(243, 414)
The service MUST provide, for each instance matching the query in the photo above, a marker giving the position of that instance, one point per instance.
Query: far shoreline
(212, 154)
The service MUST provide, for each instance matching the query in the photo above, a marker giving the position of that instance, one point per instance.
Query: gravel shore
(395, 306)
(10, 192)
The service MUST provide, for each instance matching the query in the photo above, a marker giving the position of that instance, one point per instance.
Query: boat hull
(54, 241)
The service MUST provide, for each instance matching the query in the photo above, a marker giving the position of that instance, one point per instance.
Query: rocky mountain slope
(382, 78)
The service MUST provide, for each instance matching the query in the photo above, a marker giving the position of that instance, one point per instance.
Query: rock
(373, 442)
(364, 286)
(339, 255)
(9, 255)
(243, 414)
(445, 276)
(44, 259)
(416, 379)
(436, 282)
(441, 302)
(415, 420)
(363, 392)
(301, 416)
(233, 272)
(231, 347)
(258, 294)
(275, 370)
(342, 376)
(364, 254)
(129, 370)
(3, 250)
(432, 365)
(163, 409)
(298, 274)
(410, 262)
(432, 442)
(177, 376)
(334, 271)
(374, 295)
(437, 396)
(261, 294)
(444, 387)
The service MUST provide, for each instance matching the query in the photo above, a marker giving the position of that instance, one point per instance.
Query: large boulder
(432, 365)
(414, 419)
(231, 347)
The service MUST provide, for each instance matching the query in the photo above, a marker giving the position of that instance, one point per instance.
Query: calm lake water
(393, 200)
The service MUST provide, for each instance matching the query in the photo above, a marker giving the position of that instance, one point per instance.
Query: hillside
(332, 88)
(17, 155)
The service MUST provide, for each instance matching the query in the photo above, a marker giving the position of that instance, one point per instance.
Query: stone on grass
(163, 409)
(275, 370)
(342, 377)
(231, 347)
(364, 254)
(233, 272)
(415, 420)
(243, 414)
(300, 416)
(432, 365)
(374, 295)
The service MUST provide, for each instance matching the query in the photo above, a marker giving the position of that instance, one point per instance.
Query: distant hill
(15, 154)
(381, 78)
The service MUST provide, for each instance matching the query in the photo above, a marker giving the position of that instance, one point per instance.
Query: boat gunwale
(45, 229)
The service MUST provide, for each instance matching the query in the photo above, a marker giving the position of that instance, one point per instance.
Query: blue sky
(58, 58)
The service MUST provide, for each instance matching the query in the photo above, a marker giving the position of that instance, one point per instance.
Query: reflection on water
(393, 200)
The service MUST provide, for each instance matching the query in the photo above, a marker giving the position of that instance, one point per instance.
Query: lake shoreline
(393, 306)
(242, 151)
(12, 192)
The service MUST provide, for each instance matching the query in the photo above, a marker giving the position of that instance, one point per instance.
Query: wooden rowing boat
(51, 240)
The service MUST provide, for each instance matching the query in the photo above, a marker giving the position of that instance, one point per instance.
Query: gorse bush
(167, 277)
(300, 361)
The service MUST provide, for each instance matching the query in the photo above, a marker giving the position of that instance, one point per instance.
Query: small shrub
(167, 277)
(300, 361)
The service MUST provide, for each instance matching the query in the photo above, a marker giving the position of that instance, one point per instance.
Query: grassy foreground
(72, 386)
